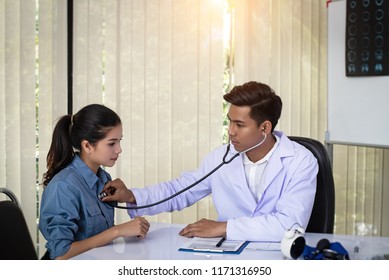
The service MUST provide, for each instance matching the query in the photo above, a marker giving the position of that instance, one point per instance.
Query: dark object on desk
(323, 212)
(220, 242)
(332, 251)
(320, 247)
(380, 257)
(17, 241)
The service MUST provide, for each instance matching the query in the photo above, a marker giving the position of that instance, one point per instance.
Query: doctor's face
(243, 130)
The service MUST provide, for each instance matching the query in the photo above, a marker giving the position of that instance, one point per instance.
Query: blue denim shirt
(70, 209)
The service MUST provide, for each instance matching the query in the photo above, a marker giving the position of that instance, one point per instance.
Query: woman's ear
(86, 146)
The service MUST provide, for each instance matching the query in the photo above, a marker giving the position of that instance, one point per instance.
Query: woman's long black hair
(91, 123)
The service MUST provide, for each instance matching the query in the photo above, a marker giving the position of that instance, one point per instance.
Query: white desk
(163, 241)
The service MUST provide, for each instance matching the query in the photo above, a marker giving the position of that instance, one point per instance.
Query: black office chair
(14, 234)
(323, 212)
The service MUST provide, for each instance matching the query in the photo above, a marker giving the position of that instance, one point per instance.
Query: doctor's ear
(266, 127)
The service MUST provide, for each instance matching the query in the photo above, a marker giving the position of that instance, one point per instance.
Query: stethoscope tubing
(224, 161)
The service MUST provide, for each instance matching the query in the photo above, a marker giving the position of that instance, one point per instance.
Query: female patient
(72, 218)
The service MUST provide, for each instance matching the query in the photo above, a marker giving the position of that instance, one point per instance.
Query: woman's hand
(138, 227)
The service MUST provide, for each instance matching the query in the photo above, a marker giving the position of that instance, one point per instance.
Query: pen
(220, 242)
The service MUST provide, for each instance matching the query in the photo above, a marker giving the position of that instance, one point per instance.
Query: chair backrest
(16, 241)
(10, 195)
(323, 212)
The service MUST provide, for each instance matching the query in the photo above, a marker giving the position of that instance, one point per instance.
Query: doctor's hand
(205, 228)
(116, 190)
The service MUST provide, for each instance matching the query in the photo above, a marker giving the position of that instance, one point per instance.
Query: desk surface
(163, 241)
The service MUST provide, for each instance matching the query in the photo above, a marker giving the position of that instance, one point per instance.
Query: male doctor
(260, 194)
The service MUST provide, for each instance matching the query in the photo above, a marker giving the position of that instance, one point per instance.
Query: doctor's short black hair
(265, 104)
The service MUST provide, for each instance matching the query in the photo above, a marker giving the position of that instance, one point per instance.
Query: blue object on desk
(216, 250)
(335, 251)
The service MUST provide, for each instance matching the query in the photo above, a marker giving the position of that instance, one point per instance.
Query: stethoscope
(224, 161)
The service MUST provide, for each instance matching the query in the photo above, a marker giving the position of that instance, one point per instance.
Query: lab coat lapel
(275, 164)
(240, 181)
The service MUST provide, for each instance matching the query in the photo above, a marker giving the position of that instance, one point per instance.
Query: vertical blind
(283, 44)
(159, 65)
(32, 94)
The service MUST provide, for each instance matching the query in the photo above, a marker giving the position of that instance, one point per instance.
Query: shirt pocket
(95, 221)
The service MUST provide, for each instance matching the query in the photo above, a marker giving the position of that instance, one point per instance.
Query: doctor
(260, 194)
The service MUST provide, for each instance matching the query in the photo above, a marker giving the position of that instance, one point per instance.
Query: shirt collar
(89, 176)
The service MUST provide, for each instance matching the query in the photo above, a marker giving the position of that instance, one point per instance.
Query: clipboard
(209, 245)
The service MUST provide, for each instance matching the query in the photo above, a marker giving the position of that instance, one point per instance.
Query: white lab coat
(287, 198)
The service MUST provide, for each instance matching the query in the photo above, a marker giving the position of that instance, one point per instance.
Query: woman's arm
(139, 227)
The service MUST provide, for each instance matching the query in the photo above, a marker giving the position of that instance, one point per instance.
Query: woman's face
(105, 152)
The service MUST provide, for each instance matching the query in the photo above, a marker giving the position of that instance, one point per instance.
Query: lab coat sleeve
(154, 193)
(293, 208)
